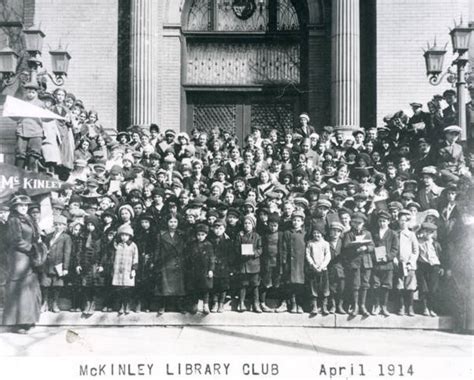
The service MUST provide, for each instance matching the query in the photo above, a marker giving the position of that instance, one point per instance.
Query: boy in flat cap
(29, 133)
(337, 269)
(429, 267)
(406, 263)
(358, 247)
(202, 261)
(225, 260)
(318, 255)
(293, 261)
(271, 261)
(386, 249)
(57, 264)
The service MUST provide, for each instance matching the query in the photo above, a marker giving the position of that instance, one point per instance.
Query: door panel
(238, 113)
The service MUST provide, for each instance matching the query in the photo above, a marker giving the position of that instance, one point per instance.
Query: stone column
(143, 61)
(345, 74)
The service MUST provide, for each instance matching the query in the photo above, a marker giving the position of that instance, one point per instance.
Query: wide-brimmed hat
(20, 200)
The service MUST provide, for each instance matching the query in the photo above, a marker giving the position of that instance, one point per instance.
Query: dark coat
(294, 256)
(77, 250)
(22, 290)
(202, 261)
(272, 244)
(390, 241)
(170, 264)
(336, 267)
(89, 261)
(249, 264)
(146, 243)
(59, 252)
(225, 256)
(358, 260)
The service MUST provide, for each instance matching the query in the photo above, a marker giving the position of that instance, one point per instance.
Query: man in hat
(424, 156)
(167, 143)
(428, 196)
(419, 121)
(304, 129)
(29, 132)
(450, 113)
(451, 155)
(386, 249)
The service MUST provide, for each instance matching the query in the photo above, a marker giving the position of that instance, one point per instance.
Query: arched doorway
(244, 64)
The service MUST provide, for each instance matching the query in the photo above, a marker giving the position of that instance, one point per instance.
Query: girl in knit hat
(125, 266)
(249, 247)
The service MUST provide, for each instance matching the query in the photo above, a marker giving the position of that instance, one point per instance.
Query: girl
(125, 266)
(77, 238)
(265, 185)
(89, 268)
(146, 242)
(170, 258)
(107, 263)
(83, 152)
(249, 244)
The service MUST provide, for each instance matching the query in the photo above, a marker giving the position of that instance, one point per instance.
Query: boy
(224, 262)
(406, 262)
(57, 264)
(29, 133)
(386, 242)
(271, 261)
(318, 255)
(358, 247)
(336, 272)
(202, 264)
(249, 244)
(293, 260)
(429, 267)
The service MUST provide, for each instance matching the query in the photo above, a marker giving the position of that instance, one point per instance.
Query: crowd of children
(315, 220)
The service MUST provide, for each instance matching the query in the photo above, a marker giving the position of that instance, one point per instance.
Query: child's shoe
(265, 308)
(205, 308)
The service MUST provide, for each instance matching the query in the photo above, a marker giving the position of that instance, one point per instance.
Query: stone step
(232, 318)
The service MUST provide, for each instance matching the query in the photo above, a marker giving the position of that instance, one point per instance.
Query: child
(77, 238)
(89, 268)
(406, 263)
(169, 261)
(146, 243)
(202, 264)
(250, 245)
(318, 255)
(358, 246)
(429, 267)
(57, 264)
(293, 260)
(386, 241)
(271, 261)
(125, 266)
(336, 271)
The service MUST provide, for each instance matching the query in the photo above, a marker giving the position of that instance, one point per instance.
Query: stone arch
(312, 12)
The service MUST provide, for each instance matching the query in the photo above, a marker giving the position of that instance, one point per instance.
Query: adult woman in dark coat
(170, 260)
(23, 294)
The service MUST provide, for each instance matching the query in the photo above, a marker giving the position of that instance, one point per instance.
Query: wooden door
(237, 113)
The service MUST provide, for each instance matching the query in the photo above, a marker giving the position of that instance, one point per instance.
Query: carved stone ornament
(244, 9)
